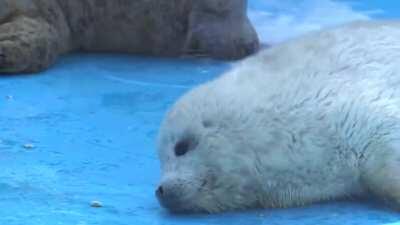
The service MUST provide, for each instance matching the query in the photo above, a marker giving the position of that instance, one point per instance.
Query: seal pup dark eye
(207, 123)
(184, 145)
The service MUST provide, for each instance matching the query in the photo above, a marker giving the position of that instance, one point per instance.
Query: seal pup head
(205, 163)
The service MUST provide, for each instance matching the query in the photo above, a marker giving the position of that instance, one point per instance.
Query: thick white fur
(313, 119)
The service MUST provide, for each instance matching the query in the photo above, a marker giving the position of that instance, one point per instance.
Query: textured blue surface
(92, 120)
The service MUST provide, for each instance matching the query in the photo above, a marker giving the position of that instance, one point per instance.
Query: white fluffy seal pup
(313, 119)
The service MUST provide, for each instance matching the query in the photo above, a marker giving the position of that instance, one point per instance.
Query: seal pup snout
(172, 196)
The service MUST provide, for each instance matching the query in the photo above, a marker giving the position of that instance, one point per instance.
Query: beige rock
(96, 204)
(33, 33)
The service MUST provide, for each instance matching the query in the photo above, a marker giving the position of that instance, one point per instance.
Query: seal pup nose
(168, 197)
(159, 191)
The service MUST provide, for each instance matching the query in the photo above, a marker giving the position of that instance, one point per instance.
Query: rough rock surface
(33, 33)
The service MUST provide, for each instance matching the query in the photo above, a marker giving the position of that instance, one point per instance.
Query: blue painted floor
(84, 131)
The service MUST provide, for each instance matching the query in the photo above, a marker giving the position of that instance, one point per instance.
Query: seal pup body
(310, 120)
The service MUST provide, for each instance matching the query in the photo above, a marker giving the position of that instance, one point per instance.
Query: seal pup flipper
(381, 173)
